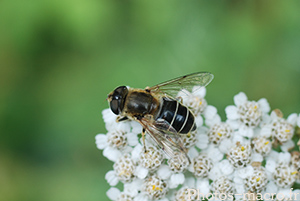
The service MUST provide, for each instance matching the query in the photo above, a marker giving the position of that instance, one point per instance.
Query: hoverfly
(157, 109)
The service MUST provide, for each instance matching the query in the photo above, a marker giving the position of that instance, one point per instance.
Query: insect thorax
(140, 103)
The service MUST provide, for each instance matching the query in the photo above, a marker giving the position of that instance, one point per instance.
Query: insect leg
(119, 119)
(143, 136)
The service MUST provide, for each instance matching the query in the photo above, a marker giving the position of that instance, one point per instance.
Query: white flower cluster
(253, 151)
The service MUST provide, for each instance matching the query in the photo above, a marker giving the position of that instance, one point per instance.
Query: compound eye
(114, 106)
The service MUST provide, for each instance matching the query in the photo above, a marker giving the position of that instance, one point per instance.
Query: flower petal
(211, 122)
(176, 179)
(245, 131)
(270, 165)
(113, 193)
(266, 131)
(284, 157)
(141, 172)
(135, 154)
(256, 157)
(210, 111)
(192, 153)
(164, 172)
(264, 105)
(271, 188)
(226, 167)
(112, 154)
(202, 141)
(101, 141)
(133, 188)
(225, 145)
(141, 197)
(240, 98)
(203, 185)
(199, 92)
(231, 112)
(234, 124)
(245, 172)
(285, 147)
(214, 154)
(292, 119)
(215, 172)
(136, 128)
(132, 139)
(190, 182)
(198, 120)
(111, 178)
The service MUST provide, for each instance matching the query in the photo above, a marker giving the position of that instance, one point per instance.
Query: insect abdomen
(177, 115)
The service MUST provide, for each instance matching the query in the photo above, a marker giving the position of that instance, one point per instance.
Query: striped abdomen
(178, 116)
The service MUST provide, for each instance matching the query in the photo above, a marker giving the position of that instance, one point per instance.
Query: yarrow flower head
(246, 115)
(252, 151)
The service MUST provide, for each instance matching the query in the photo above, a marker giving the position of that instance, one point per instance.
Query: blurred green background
(59, 59)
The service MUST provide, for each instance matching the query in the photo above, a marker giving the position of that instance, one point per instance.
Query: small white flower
(239, 155)
(279, 128)
(151, 159)
(125, 168)
(218, 132)
(284, 175)
(202, 165)
(189, 140)
(262, 145)
(155, 187)
(195, 100)
(257, 181)
(222, 185)
(248, 114)
(115, 142)
(185, 193)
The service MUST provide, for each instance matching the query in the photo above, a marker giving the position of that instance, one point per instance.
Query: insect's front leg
(119, 119)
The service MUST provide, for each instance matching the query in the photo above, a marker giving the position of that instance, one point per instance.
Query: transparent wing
(167, 139)
(187, 82)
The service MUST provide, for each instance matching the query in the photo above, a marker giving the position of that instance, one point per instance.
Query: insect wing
(187, 82)
(169, 142)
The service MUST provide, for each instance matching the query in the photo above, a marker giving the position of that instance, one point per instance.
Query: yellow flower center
(156, 188)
